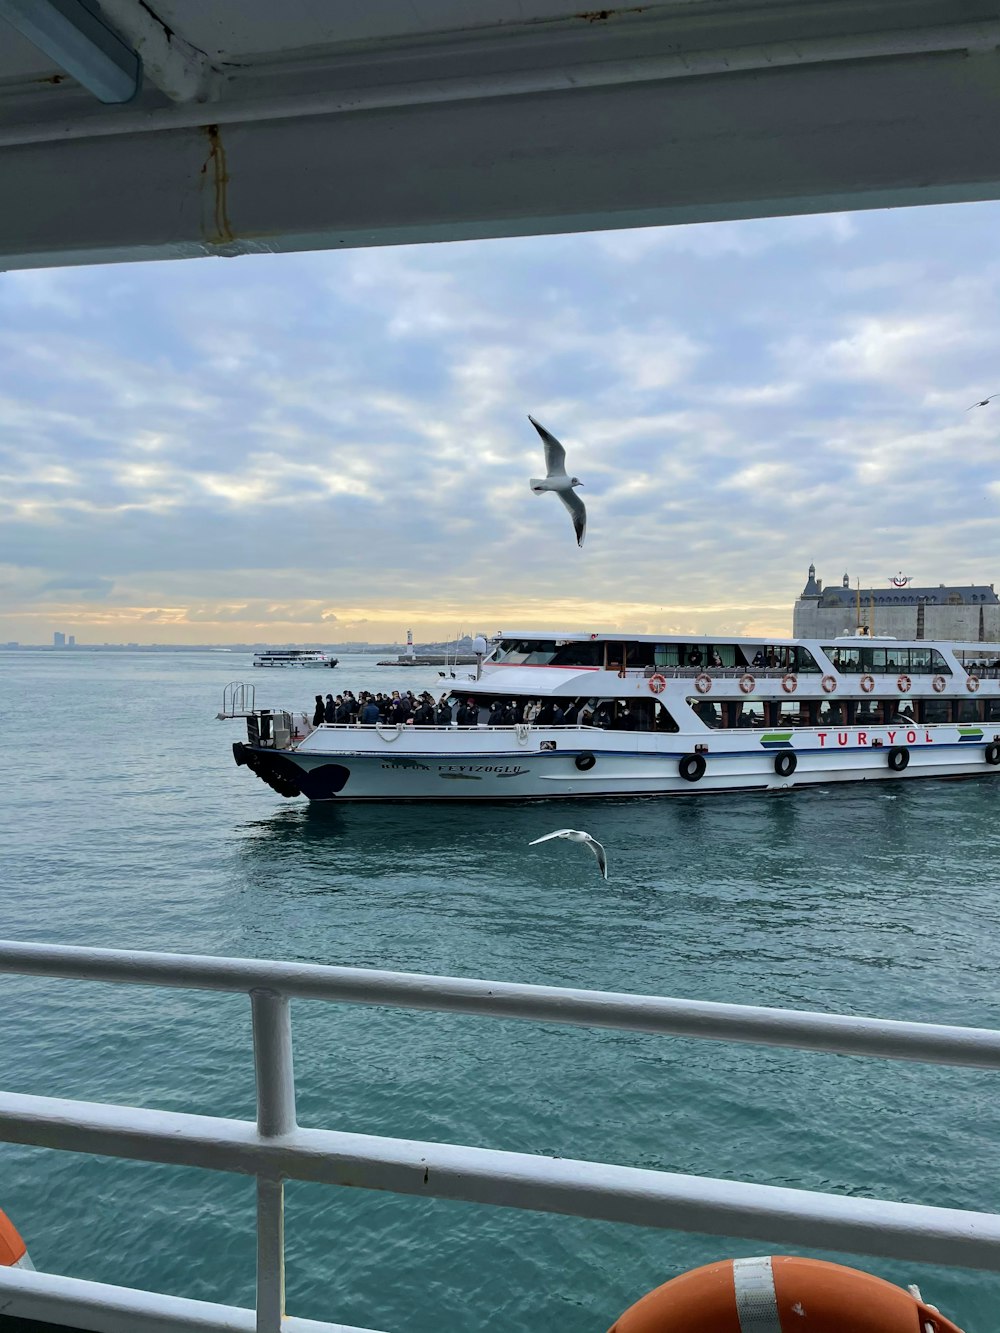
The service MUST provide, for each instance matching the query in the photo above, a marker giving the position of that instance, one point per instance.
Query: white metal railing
(275, 1148)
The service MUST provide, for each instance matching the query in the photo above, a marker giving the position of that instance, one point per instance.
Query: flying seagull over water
(557, 480)
(574, 835)
(982, 402)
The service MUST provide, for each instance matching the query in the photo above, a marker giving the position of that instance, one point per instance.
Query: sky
(334, 446)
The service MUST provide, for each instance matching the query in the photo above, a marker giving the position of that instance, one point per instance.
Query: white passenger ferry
(580, 715)
(293, 657)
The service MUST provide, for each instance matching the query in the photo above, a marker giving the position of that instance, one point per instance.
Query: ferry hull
(521, 775)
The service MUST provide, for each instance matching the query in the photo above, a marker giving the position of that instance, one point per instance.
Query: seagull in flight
(574, 835)
(982, 402)
(557, 480)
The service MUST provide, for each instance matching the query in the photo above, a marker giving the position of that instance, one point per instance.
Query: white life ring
(903, 683)
(867, 683)
(748, 684)
(940, 684)
(789, 684)
(703, 683)
(829, 684)
(972, 684)
(657, 683)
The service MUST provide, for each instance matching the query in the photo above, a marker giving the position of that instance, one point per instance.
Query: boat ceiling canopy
(262, 127)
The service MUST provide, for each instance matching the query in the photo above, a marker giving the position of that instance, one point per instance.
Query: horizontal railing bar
(838, 1033)
(514, 1180)
(74, 1303)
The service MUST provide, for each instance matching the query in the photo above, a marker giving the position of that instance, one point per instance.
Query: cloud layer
(335, 446)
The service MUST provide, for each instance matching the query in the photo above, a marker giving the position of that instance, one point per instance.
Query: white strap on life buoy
(789, 684)
(903, 683)
(657, 683)
(867, 683)
(940, 684)
(748, 684)
(756, 1299)
(703, 683)
(829, 684)
(972, 684)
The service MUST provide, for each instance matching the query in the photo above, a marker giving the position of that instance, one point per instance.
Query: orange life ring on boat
(972, 684)
(703, 683)
(903, 683)
(775, 1293)
(940, 684)
(867, 683)
(747, 684)
(13, 1251)
(657, 683)
(789, 684)
(829, 684)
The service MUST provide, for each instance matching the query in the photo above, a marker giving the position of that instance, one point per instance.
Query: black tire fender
(585, 761)
(898, 758)
(785, 763)
(692, 767)
(992, 753)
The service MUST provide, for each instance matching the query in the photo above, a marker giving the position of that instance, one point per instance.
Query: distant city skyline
(334, 446)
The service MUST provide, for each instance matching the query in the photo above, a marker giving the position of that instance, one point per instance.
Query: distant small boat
(293, 657)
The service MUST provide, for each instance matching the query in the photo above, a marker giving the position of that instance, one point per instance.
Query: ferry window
(938, 664)
(666, 655)
(639, 654)
(968, 711)
(750, 715)
(529, 652)
(992, 707)
(919, 661)
(802, 661)
(587, 653)
(843, 659)
(935, 710)
(706, 712)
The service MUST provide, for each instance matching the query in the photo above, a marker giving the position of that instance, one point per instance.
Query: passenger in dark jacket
(444, 712)
(331, 709)
(424, 716)
(370, 714)
(496, 714)
(319, 713)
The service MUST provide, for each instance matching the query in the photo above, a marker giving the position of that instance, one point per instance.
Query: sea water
(125, 823)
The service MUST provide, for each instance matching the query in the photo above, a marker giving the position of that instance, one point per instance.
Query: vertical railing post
(272, 1052)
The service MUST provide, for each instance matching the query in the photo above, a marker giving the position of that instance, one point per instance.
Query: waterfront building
(966, 613)
(58, 640)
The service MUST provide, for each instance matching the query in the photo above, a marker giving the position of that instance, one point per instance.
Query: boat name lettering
(508, 770)
(861, 738)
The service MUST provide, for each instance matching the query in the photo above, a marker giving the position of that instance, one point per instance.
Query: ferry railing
(275, 1148)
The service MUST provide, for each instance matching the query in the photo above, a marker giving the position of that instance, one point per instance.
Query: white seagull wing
(559, 833)
(600, 853)
(578, 511)
(983, 401)
(555, 454)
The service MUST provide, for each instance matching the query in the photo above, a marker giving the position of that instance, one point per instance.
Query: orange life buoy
(747, 684)
(789, 684)
(972, 684)
(703, 683)
(657, 683)
(829, 684)
(903, 683)
(780, 1293)
(13, 1251)
(867, 683)
(940, 684)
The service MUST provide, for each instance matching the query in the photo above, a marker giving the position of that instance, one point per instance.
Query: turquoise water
(127, 824)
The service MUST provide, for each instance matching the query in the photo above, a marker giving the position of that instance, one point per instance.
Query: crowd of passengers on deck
(404, 708)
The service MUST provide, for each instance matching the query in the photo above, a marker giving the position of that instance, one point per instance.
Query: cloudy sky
(326, 447)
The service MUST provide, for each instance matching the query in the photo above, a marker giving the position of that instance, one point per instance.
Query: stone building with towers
(970, 613)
